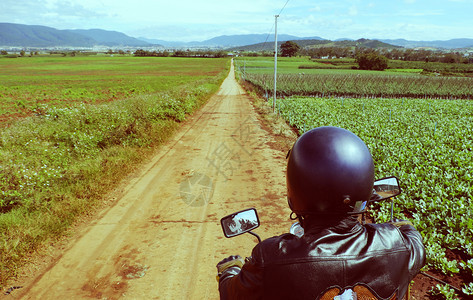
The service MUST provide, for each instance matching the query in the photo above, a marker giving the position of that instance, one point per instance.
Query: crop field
(304, 78)
(71, 128)
(265, 65)
(27, 83)
(427, 143)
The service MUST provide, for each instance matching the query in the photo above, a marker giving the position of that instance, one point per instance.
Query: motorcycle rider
(330, 175)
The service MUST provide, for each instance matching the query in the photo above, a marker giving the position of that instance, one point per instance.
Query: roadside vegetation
(420, 132)
(61, 153)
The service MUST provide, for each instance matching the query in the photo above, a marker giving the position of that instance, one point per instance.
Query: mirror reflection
(240, 222)
(386, 188)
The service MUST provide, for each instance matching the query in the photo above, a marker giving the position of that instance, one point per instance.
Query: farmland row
(417, 127)
(362, 85)
(428, 144)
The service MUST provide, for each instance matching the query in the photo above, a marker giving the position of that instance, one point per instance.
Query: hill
(449, 44)
(110, 38)
(310, 43)
(248, 39)
(226, 41)
(18, 35)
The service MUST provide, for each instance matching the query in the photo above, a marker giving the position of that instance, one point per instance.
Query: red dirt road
(162, 237)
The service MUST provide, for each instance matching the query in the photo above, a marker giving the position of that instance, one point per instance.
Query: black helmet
(329, 171)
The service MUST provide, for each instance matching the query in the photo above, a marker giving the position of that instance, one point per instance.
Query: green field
(300, 76)
(296, 65)
(74, 127)
(426, 142)
(27, 83)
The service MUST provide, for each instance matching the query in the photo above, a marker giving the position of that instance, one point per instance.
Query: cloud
(57, 14)
(20, 9)
(69, 9)
(196, 20)
(407, 13)
(353, 11)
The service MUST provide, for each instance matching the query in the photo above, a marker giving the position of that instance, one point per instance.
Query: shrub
(372, 61)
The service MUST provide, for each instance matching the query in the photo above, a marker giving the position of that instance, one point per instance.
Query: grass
(427, 143)
(435, 68)
(299, 65)
(306, 65)
(58, 165)
(408, 70)
(298, 76)
(28, 83)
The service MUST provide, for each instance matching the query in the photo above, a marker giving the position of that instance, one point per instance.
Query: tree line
(375, 59)
(394, 54)
(182, 53)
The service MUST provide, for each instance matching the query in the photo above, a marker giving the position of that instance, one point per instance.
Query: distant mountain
(374, 44)
(248, 39)
(17, 35)
(163, 43)
(366, 43)
(110, 38)
(226, 41)
(260, 41)
(449, 44)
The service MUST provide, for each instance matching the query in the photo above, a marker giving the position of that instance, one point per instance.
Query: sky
(198, 20)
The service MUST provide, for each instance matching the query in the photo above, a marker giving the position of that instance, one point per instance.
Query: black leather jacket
(381, 257)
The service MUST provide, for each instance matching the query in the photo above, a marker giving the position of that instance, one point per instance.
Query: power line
(272, 27)
(283, 7)
(267, 37)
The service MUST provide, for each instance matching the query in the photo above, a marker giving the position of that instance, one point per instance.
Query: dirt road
(162, 238)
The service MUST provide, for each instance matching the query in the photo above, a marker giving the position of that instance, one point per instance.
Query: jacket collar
(344, 224)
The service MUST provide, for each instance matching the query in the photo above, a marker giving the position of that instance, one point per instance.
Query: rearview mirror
(239, 222)
(386, 188)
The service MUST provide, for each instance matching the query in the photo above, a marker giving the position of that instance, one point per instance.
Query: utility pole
(275, 59)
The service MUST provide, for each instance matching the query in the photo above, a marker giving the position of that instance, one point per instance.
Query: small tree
(179, 53)
(372, 60)
(140, 52)
(289, 49)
